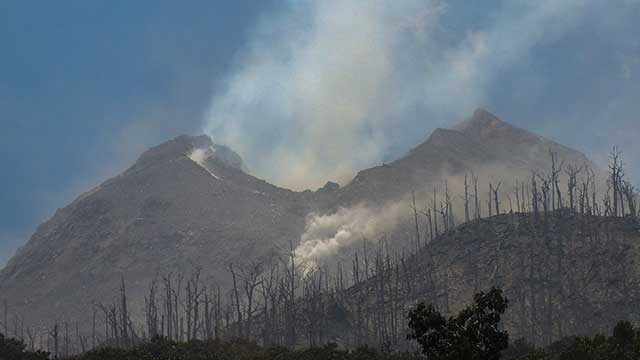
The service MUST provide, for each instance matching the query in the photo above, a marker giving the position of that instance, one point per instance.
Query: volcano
(190, 202)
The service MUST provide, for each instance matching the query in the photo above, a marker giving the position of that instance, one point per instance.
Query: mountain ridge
(169, 211)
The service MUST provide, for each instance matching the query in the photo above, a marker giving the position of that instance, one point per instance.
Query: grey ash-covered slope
(164, 212)
(483, 143)
(176, 208)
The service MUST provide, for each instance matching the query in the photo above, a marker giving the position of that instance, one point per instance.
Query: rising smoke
(326, 235)
(325, 88)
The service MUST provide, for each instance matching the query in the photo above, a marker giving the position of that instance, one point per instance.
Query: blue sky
(86, 86)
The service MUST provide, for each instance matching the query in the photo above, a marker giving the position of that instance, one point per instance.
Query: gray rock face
(189, 201)
(491, 148)
(330, 186)
(165, 212)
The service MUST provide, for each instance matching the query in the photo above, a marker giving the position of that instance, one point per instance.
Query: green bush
(473, 334)
(163, 349)
(624, 344)
(12, 349)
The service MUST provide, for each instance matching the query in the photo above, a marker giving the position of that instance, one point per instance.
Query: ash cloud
(326, 88)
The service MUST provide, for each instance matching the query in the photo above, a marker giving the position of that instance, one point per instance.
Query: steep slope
(564, 274)
(484, 144)
(165, 212)
(519, 145)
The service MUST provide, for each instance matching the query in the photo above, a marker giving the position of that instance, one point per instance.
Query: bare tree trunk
(615, 165)
(125, 314)
(250, 276)
(466, 198)
(93, 329)
(495, 191)
(478, 213)
(5, 311)
(415, 217)
(54, 334)
(236, 294)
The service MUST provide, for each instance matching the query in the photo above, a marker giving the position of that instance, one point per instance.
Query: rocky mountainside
(190, 202)
(564, 273)
(180, 203)
(483, 143)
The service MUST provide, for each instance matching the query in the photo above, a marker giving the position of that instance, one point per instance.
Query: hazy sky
(293, 85)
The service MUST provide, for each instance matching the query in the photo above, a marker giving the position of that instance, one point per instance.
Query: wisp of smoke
(325, 88)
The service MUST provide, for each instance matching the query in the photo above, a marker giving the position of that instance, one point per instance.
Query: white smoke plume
(326, 235)
(200, 156)
(325, 88)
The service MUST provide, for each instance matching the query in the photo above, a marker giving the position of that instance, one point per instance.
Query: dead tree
(172, 296)
(151, 309)
(209, 313)
(270, 303)
(66, 339)
(466, 198)
(428, 223)
(489, 199)
(124, 313)
(80, 340)
(629, 192)
(474, 179)
(218, 314)
(450, 218)
(572, 182)
(606, 202)
(54, 333)
(192, 303)
(556, 169)
(415, 217)
(428, 226)
(535, 196)
(494, 193)
(5, 321)
(93, 328)
(357, 279)
(178, 321)
(250, 276)
(615, 165)
(289, 286)
(168, 302)
(516, 192)
(434, 208)
(236, 294)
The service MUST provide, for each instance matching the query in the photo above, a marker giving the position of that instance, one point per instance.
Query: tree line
(473, 334)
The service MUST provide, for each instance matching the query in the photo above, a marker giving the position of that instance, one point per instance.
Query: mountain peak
(172, 149)
(186, 145)
(481, 114)
(482, 122)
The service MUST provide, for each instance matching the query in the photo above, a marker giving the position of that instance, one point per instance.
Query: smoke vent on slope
(200, 156)
(211, 154)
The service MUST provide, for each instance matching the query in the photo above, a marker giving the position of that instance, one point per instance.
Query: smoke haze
(326, 88)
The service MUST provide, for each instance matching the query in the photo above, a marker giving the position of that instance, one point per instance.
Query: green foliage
(163, 349)
(471, 335)
(520, 349)
(12, 349)
(624, 344)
